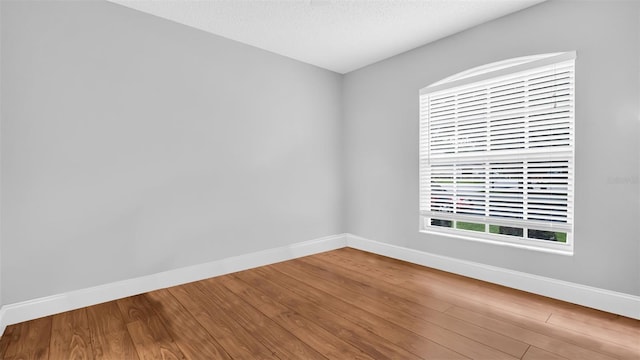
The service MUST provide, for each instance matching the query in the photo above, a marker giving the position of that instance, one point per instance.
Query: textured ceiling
(337, 35)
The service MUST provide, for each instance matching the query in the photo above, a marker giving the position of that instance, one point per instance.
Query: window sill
(566, 250)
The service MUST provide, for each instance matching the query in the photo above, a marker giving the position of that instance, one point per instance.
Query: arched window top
(497, 69)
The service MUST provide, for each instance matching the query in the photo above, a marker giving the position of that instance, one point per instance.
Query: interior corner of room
(137, 153)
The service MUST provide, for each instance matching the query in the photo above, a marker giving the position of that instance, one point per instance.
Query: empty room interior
(320, 179)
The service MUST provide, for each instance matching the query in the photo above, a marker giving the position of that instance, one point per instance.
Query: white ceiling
(339, 35)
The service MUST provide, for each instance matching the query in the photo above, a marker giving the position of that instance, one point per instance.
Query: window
(497, 153)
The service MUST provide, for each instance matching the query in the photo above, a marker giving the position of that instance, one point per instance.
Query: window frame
(486, 74)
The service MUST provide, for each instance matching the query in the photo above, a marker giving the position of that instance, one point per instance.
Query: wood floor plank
(365, 261)
(536, 307)
(70, 336)
(412, 303)
(31, 341)
(377, 290)
(398, 335)
(192, 339)
(344, 287)
(597, 318)
(543, 305)
(327, 344)
(9, 334)
(236, 341)
(370, 343)
(110, 338)
(535, 353)
(147, 331)
(449, 287)
(280, 341)
(362, 274)
(512, 300)
(432, 283)
(152, 341)
(134, 308)
(627, 338)
(540, 340)
(585, 341)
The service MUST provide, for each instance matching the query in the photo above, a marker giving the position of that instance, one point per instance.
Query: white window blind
(497, 149)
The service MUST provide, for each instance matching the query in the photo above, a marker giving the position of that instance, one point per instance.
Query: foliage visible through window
(497, 153)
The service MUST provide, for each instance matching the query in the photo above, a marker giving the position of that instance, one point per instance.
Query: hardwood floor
(343, 304)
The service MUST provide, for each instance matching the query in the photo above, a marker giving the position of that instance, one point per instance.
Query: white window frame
(457, 154)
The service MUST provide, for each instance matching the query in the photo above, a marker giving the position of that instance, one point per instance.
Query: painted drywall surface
(381, 132)
(1, 158)
(133, 145)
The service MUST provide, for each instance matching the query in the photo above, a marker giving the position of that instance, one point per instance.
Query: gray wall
(1, 281)
(133, 145)
(381, 133)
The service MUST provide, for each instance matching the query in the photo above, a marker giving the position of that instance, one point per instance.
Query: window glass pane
(469, 226)
(440, 222)
(544, 235)
(561, 237)
(506, 230)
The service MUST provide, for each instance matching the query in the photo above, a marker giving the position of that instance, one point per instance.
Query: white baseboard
(606, 300)
(601, 299)
(49, 305)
